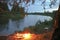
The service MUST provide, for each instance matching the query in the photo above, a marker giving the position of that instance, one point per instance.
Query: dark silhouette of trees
(39, 27)
(56, 34)
(3, 6)
(16, 4)
(52, 3)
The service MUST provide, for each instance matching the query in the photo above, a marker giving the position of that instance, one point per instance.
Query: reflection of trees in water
(4, 18)
(39, 26)
(3, 22)
(17, 23)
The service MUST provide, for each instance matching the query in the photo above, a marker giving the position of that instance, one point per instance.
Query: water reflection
(17, 25)
(3, 22)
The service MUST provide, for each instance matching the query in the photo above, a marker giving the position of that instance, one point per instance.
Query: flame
(18, 35)
(23, 36)
(27, 36)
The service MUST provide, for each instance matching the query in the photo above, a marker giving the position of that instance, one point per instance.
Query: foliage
(16, 4)
(39, 26)
(3, 7)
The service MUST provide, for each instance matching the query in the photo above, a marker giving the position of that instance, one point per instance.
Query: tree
(44, 5)
(52, 3)
(3, 6)
(56, 34)
(15, 5)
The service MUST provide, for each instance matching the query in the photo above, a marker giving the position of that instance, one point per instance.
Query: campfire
(21, 36)
(26, 35)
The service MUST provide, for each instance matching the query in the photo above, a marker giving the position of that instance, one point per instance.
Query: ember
(30, 36)
(18, 35)
(27, 36)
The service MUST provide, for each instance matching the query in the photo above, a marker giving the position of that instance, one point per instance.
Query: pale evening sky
(37, 7)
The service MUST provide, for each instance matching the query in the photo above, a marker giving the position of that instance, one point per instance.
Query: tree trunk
(56, 34)
(59, 17)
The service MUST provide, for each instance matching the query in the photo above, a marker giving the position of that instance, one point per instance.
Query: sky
(37, 7)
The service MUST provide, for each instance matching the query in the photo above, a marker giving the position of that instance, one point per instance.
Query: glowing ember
(18, 35)
(27, 36)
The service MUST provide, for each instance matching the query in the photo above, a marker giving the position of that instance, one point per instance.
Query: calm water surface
(9, 26)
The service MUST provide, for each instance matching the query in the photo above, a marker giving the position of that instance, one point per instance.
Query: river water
(9, 26)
